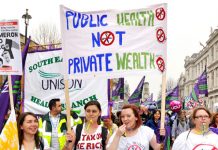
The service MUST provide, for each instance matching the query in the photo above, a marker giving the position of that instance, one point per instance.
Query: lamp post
(26, 18)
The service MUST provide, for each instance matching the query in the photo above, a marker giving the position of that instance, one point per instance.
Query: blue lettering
(68, 14)
(107, 62)
(91, 21)
(76, 65)
(85, 20)
(93, 62)
(76, 20)
(101, 21)
(81, 66)
(76, 24)
(70, 62)
(120, 33)
(100, 60)
(86, 66)
(96, 40)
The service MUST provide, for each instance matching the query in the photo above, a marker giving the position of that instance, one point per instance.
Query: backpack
(177, 121)
(104, 133)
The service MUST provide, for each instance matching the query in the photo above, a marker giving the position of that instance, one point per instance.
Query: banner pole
(163, 100)
(163, 103)
(66, 89)
(10, 92)
(110, 96)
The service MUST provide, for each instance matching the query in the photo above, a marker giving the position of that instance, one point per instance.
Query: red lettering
(77, 146)
(83, 137)
(80, 145)
(93, 145)
(98, 145)
(98, 136)
(93, 137)
(88, 146)
(88, 138)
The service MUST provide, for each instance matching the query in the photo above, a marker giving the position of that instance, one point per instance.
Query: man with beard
(53, 125)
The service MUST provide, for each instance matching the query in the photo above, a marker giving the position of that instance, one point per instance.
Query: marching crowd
(133, 128)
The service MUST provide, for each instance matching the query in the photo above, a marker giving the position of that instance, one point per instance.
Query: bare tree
(170, 84)
(47, 34)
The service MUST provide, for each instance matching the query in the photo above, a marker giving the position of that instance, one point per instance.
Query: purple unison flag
(4, 96)
(195, 93)
(150, 98)
(4, 101)
(200, 87)
(173, 95)
(119, 90)
(137, 94)
(202, 84)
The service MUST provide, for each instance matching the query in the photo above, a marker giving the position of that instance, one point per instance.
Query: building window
(212, 54)
(201, 65)
(207, 59)
(216, 56)
(193, 72)
(212, 79)
(216, 76)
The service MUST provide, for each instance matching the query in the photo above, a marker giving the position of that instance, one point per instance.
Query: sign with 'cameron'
(114, 43)
(10, 53)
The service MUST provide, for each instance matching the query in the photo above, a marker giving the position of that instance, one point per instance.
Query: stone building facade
(145, 92)
(194, 67)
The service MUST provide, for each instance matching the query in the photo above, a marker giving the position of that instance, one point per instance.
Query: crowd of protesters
(131, 128)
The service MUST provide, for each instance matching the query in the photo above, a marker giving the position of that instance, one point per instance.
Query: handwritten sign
(114, 43)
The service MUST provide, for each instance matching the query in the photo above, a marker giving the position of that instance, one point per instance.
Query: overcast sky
(189, 22)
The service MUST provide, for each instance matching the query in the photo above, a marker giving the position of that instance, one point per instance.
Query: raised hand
(121, 130)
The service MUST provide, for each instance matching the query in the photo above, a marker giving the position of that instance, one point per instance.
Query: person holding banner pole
(91, 134)
(53, 125)
(154, 124)
(131, 134)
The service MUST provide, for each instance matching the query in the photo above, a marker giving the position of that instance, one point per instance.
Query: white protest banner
(114, 43)
(44, 81)
(10, 53)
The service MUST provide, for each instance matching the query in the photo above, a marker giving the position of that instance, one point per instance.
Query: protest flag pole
(10, 92)
(10, 140)
(163, 100)
(163, 103)
(110, 96)
(67, 98)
